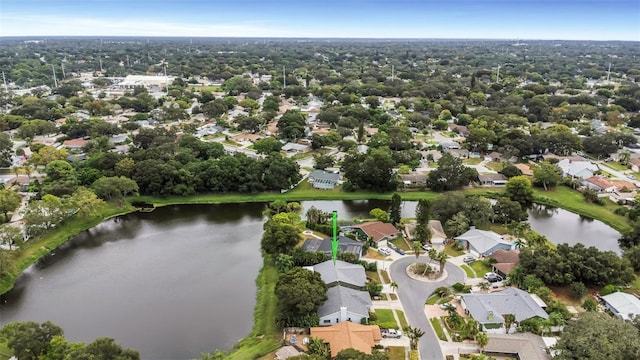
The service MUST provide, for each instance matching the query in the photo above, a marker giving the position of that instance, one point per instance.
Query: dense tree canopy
(300, 293)
(451, 174)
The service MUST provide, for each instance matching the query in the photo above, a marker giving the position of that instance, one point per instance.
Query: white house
(344, 304)
(624, 306)
(577, 169)
(482, 242)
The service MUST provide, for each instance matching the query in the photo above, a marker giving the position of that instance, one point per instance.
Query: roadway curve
(413, 294)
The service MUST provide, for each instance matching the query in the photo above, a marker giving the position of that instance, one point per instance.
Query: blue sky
(514, 19)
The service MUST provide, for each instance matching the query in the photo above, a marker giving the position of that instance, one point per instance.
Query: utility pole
(63, 74)
(284, 77)
(498, 75)
(128, 62)
(393, 70)
(609, 72)
(55, 81)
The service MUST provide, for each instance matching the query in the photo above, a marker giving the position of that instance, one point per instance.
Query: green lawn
(265, 335)
(473, 161)
(393, 296)
(400, 243)
(433, 299)
(385, 315)
(452, 252)
(373, 275)
(468, 271)
(402, 319)
(396, 353)
(616, 166)
(385, 277)
(437, 327)
(480, 267)
(495, 165)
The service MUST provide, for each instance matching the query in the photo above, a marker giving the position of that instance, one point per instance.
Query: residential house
(495, 156)
(623, 185)
(489, 309)
(577, 169)
(348, 335)
(345, 245)
(635, 164)
(118, 138)
(414, 179)
(286, 352)
(435, 155)
(492, 179)
(524, 169)
(376, 230)
(345, 304)
(522, 346)
(623, 198)
(482, 242)
(506, 261)
(293, 148)
(75, 144)
(459, 153)
(341, 273)
(362, 148)
(321, 179)
(247, 137)
(438, 236)
(622, 305)
(449, 145)
(599, 184)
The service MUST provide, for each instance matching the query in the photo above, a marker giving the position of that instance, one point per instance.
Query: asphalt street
(413, 294)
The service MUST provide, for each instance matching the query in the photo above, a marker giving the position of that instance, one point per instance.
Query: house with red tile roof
(348, 335)
(599, 184)
(74, 144)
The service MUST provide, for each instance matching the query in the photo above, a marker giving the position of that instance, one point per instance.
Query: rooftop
(490, 308)
(348, 335)
(525, 346)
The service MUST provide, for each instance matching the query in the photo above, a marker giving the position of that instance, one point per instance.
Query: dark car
(492, 277)
(399, 251)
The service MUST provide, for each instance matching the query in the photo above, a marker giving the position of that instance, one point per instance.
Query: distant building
(147, 81)
(492, 179)
(321, 179)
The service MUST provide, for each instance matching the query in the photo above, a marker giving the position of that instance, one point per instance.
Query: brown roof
(505, 268)
(506, 256)
(247, 137)
(75, 143)
(623, 184)
(635, 161)
(377, 229)
(495, 155)
(600, 181)
(348, 335)
(524, 346)
(525, 169)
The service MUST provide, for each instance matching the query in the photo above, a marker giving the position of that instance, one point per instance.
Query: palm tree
(484, 286)
(317, 346)
(414, 335)
(442, 259)
(520, 243)
(471, 328)
(417, 248)
(394, 286)
(483, 339)
(624, 157)
(443, 291)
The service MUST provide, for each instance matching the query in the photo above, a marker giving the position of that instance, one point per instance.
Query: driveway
(413, 294)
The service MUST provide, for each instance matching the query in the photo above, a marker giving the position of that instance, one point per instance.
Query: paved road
(413, 294)
(619, 174)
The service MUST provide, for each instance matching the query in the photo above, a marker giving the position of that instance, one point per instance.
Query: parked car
(392, 333)
(384, 251)
(426, 247)
(446, 306)
(392, 246)
(399, 251)
(492, 277)
(469, 258)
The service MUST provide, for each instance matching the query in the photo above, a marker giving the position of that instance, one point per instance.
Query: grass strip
(435, 323)
(402, 319)
(470, 273)
(385, 316)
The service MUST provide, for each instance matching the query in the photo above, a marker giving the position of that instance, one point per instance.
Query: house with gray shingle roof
(341, 273)
(482, 242)
(344, 304)
(577, 169)
(489, 309)
(522, 346)
(321, 179)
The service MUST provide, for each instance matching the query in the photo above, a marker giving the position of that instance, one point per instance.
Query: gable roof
(435, 226)
(348, 335)
(377, 229)
(491, 177)
(525, 346)
(489, 308)
(524, 169)
(574, 168)
(482, 240)
(601, 182)
(321, 175)
(356, 301)
(506, 256)
(621, 184)
(342, 272)
(624, 304)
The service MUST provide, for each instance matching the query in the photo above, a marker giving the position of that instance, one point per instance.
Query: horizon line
(301, 38)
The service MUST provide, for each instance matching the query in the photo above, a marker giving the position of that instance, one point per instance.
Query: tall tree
(6, 150)
(519, 189)
(546, 174)
(395, 209)
(598, 336)
(279, 238)
(451, 174)
(482, 339)
(9, 201)
(300, 293)
(29, 340)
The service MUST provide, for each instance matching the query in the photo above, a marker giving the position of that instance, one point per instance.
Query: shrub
(590, 305)
(609, 289)
(578, 289)
(459, 287)
(388, 325)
